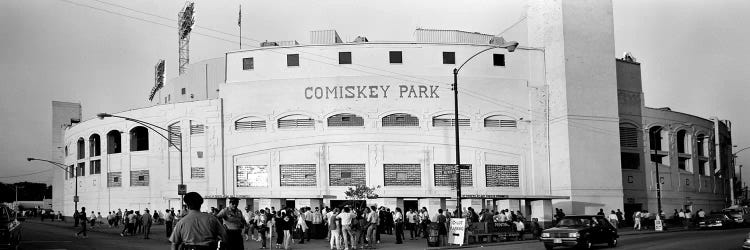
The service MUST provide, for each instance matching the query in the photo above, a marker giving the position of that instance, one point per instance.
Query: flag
(239, 19)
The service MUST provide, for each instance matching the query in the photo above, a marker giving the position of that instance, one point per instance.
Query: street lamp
(495, 42)
(182, 188)
(734, 163)
(67, 171)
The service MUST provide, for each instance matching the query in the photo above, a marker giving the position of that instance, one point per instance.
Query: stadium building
(557, 123)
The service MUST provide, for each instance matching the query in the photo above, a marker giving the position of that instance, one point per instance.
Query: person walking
(168, 222)
(196, 230)
(334, 226)
(302, 228)
(147, 221)
(76, 218)
(279, 227)
(613, 218)
(411, 220)
(317, 224)
(637, 220)
(92, 219)
(346, 230)
(288, 226)
(82, 221)
(373, 217)
(234, 222)
(261, 225)
(398, 222)
(442, 231)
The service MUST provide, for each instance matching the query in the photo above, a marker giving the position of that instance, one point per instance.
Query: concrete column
(542, 210)
(475, 204)
(510, 204)
(207, 204)
(391, 203)
(268, 203)
(432, 204)
(312, 203)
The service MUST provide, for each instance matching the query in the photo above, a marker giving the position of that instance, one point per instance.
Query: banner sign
(371, 91)
(457, 231)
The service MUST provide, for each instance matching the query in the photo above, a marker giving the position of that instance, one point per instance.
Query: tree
(361, 193)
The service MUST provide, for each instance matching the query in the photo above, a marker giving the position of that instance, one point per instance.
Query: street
(58, 235)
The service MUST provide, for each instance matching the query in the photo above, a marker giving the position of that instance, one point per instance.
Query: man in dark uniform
(234, 222)
(197, 231)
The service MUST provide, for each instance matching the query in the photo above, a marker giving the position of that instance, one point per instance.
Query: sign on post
(181, 189)
(75, 198)
(457, 231)
(658, 226)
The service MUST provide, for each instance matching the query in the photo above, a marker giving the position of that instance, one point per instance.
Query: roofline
(695, 116)
(368, 43)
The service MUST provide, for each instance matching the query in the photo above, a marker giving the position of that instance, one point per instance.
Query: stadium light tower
(185, 23)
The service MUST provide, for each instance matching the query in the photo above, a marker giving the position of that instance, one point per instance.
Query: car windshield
(716, 217)
(573, 222)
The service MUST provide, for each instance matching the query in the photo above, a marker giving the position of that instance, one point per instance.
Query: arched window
(95, 148)
(139, 139)
(500, 121)
(113, 142)
(658, 145)
(700, 144)
(400, 120)
(447, 120)
(296, 121)
(345, 120)
(81, 146)
(250, 123)
(683, 146)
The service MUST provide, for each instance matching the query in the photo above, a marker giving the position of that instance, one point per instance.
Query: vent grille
(400, 120)
(628, 137)
(296, 123)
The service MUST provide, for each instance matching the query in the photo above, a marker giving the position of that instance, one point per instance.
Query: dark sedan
(10, 228)
(581, 231)
(717, 221)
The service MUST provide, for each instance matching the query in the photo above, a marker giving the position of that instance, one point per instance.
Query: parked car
(717, 221)
(10, 228)
(741, 215)
(581, 231)
(746, 244)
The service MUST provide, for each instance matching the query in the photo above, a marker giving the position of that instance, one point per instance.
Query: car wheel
(548, 246)
(586, 244)
(612, 242)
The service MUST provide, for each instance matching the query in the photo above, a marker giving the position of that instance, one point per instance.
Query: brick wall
(139, 178)
(445, 175)
(502, 175)
(356, 171)
(297, 175)
(402, 174)
(114, 179)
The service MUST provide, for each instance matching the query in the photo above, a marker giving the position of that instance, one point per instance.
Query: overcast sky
(101, 52)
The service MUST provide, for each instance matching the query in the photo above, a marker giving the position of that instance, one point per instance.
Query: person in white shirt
(613, 218)
(398, 222)
(637, 220)
(519, 228)
(346, 230)
(372, 220)
(411, 218)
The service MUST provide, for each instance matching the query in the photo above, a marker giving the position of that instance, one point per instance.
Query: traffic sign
(75, 198)
(181, 189)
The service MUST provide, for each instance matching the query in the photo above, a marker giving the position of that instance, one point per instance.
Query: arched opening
(447, 120)
(658, 145)
(296, 121)
(81, 148)
(95, 148)
(250, 123)
(499, 121)
(400, 120)
(113, 142)
(345, 120)
(139, 139)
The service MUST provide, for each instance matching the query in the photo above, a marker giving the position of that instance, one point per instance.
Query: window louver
(175, 135)
(628, 137)
(296, 123)
(345, 120)
(443, 122)
(400, 120)
(197, 129)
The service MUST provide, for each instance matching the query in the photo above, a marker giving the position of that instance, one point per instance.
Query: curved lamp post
(60, 165)
(182, 188)
(495, 42)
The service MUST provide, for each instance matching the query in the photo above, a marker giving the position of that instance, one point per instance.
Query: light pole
(181, 189)
(734, 162)
(495, 42)
(67, 171)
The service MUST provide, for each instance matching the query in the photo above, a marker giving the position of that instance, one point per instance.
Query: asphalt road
(56, 235)
(730, 239)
